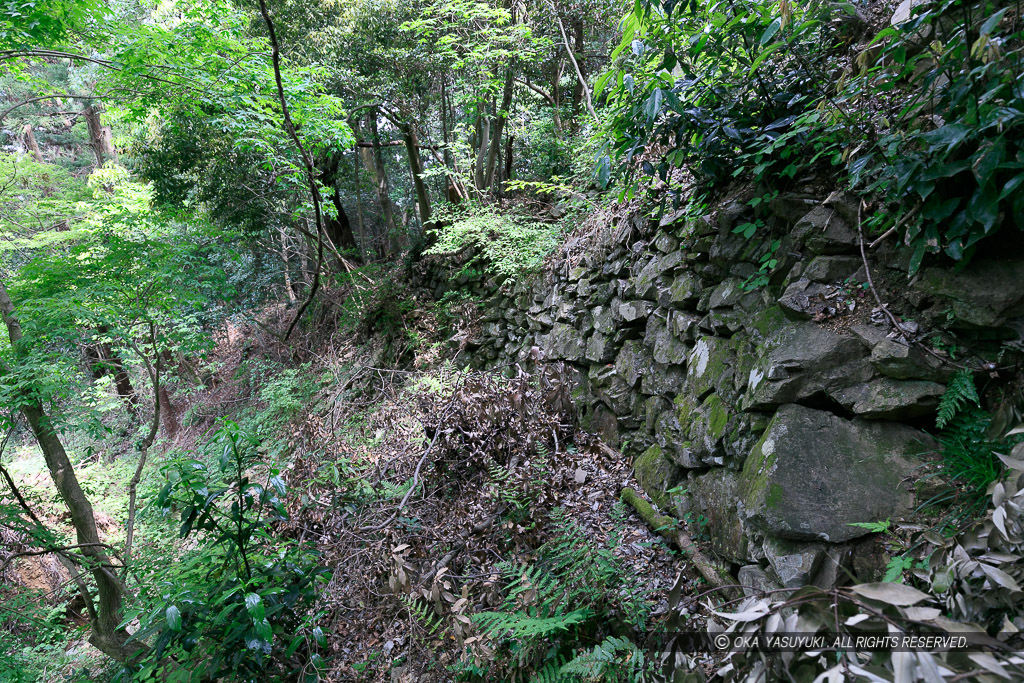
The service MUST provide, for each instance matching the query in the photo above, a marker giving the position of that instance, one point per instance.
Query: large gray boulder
(801, 360)
(984, 294)
(813, 474)
(890, 399)
(564, 341)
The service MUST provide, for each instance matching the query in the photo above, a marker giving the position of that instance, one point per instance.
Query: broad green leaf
(770, 32)
(173, 616)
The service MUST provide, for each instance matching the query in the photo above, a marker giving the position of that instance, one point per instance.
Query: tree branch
(310, 171)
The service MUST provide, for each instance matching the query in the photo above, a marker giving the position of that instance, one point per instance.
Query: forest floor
(425, 491)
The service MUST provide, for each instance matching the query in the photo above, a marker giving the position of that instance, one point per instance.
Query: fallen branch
(671, 530)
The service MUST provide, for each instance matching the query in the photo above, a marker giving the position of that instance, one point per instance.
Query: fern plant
(959, 392)
(969, 454)
(575, 592)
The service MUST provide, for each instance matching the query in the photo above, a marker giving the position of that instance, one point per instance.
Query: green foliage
(287, 393)
(573, 592)
(45, 23)
(970, 452)
(952, 150)
(726, 87)
(240, 604)
(505, 243)
(959, 392)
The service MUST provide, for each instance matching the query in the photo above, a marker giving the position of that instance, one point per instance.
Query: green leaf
(173, 616)
(992, 22)
(652, 107)
(1011, 185)
(763, 56)
(254, 605)
(770, 32)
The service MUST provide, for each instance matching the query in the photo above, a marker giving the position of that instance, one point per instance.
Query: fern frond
(423, 613)
(390, 491)
(518, 625)
(959, 391)
(609, 659)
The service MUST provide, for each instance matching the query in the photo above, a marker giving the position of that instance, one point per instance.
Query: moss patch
(656, 475)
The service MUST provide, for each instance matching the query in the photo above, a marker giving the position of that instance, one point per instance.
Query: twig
(867, 271)
(415, 483)
(885, 309)
(899, 224)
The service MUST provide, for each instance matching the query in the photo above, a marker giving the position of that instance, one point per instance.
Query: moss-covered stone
(656, 475)
(812, 475)
(711, 498)
(710, 366)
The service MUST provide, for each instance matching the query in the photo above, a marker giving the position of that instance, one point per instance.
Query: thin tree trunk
(483, 143)
(374, 160)
(416, 169)
(102, 361)
(577, 91)
(444, 123)
(338, 229)
(508, 157)
(106, 634)
(287, 275)
(168, 413)
(359, 204)
(499, 125)
(556, 96)
(33, 146)
(147, 443)
(579, 72)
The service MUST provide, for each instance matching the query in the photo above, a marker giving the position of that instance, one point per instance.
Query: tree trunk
(483, 143)
(100, 137)
(102, 361)
(106, 615)
(168, 414)
(508, 157)
(416, 168)
(363, 237)
(373, 159)
(499, 125)
(338, 229)
(33, 146)
(577, 91)
(287, 275)
(556, 96)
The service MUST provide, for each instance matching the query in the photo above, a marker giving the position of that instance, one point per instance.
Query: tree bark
(33, 146)
(556, 99)
(416, 168)
(338, 229)
(287, 275)
(106, 614)
(100, 137)
(499, 125)
(373, 159)
(102, 361)
(167, 412)
(483, 143)
(579, 72)
(577, 91)
(508, 157)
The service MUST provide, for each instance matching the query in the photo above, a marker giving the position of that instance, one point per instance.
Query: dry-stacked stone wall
(777, 416)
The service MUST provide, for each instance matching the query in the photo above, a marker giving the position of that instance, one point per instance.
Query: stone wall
(780, 414)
